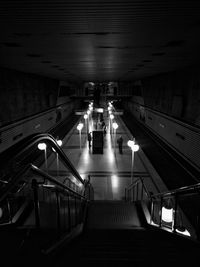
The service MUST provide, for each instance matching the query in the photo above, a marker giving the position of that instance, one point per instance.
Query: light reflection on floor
(110, 172)
(106, 170)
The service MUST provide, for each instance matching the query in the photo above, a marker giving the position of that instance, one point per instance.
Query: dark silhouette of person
(120, 143)
(103, 125)
(89, 139)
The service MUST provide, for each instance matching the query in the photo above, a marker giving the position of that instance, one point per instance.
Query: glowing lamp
(59, 142)
(85, 116)
(80, 126)
(167, 215)
(42, 146)
(133, 146)
(111, 116)
(115, 125)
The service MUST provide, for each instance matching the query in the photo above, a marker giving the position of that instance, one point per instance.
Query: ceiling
(99, 40)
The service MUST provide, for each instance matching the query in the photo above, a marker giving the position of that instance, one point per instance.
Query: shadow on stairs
(116, 235)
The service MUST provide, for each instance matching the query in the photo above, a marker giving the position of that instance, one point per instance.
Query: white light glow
(115, 125)
(42, 146)
(115, 181)
(85, 116)
(111, 158)
(167, 215)
(111, 116)
(59, 142)
(184, 232)
(80, 126)
(99, 110)
(133, 146)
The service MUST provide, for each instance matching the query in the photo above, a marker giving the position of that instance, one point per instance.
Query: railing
(42, 190)
(141, 188)
(51, 159)
(177, 211)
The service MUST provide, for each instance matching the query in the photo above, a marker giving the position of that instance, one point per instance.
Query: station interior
(99, 133)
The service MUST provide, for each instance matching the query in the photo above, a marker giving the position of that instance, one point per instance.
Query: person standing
(120, 143)
(89, 139)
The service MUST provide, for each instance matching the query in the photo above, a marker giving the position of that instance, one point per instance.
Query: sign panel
(79, 112)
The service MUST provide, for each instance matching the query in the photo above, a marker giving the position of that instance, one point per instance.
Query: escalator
(41, 205)
(46, 218)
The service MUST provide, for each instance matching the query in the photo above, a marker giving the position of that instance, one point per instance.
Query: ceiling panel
(97, 40)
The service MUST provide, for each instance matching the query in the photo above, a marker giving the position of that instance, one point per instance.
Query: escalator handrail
(42, 137)
(52, 179)
(32, 167)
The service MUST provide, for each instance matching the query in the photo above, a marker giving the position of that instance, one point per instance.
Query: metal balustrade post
(9, 211)
(152, 211)
(69, 213)
(75, 212)
(161, 203)
(36, 203)
(142, 191)
(141, 195)
(79, 202)
(58, 213)
(175, 214)
(198, 225)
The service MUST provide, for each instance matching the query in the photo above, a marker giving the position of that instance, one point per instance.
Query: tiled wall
(42, 122)
(182, 137)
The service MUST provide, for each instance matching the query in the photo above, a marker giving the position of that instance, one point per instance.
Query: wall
(180, 136)
(169, 105)
(176, 94)
(30, 104)
(23, 95)
(39, 123)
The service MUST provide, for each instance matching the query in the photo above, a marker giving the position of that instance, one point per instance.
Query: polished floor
(110, 172)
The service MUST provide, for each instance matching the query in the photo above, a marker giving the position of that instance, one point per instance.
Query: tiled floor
(110, 172)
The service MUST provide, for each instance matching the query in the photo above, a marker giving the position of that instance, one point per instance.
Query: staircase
(116, 235)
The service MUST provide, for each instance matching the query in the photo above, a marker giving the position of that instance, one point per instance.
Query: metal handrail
(145, 188)
(135, 183)
(48, 137)
(182, 190)
(20, 158)
(52, 179)
(56, 188)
